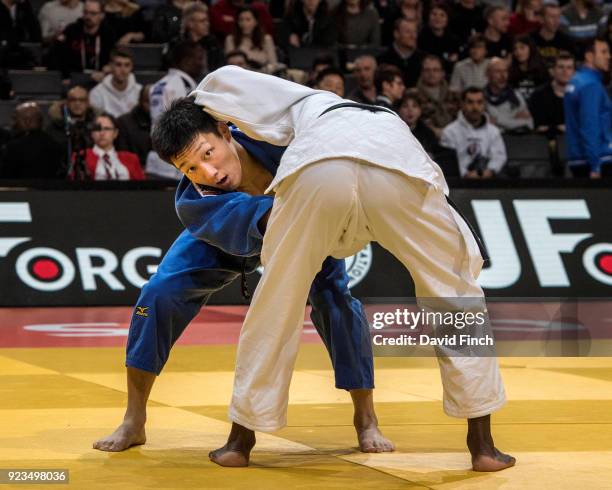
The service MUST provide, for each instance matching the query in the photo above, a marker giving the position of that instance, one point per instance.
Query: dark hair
(385, 73)
(471, 90)
(491, 9)
(181, 52)
(257, 36)
(476, 39)
(564, 55)
(536, 68)
(178, 127)
(237, 52)
(399, 21)
(323, 59)
(412, 94)
(121, 53)
(440, 5)
(341, 15)
(326, 72)
(432, 57)
(108, 116)
(589, 46)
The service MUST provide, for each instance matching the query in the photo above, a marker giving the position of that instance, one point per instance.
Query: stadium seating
(528, 155)
(302, 58)
(147, 56)
(34, 84)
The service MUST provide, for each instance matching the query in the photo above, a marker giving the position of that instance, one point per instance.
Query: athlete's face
(211, 160)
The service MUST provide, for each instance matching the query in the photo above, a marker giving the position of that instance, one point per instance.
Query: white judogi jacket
(285, 113)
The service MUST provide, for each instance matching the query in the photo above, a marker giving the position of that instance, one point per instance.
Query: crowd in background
(463, 75)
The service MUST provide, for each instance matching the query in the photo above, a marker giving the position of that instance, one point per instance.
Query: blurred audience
(56, 15)
(237, 58)
(364, 70)
(126, 20)
(357, 23)
(466, 19)
(135, 128)
(499, 43)
(580, 20)
(118, 92)
(308, 23)
(472, 71)
(480, 148)
(389, 86)
(506, 107)
(196, 28)
(166, 24)
(224, 15)
(18, 22)
(332, 80)
(411, 110)
(436, 37)
(404, 52)
(549, 39)
(249, 37)
(527, 17)
(527, 69)
(32, 153)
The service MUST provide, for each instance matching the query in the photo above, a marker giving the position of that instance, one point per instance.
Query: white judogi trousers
(334, 207)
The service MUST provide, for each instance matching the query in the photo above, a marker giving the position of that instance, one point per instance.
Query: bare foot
(497, 462)
(237, 450)
(371, 440)
(485, 456)
(125, 436)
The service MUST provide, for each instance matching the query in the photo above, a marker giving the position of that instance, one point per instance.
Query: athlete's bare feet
(237, 450)
(128, 434)
(485, 456)
(369, 436)
(371, 440)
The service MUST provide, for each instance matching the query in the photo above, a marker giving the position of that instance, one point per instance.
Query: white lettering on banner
(588, 260)
(107, 329)
(13, 212)
(128, 264)
(104, 271)
(545, 247)
(65, 277)
(505, 267)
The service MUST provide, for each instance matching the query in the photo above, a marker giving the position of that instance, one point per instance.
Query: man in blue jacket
(588, 113)
(222, 241)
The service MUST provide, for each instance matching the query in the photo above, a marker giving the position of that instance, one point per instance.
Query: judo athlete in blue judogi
(222, 242)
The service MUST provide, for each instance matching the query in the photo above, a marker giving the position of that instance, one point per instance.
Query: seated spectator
(439, 104)
(436, 37)
(224, 15)
(307, 23)
(196, 29)
(126, 19)
(357, 23)
(18, 22)
(102, 161)
(527, 17)
(32, 154)
(588, 111)
(496, 35)
(479, 145)
(412, 11)
(135, 128)
(237, 58)
(166, 24)
(404, 52)
(73, 114)
(466, 19)
(472, 71)
(85, 45)
(250, 38)
(119, 91)
(364, 70)
(580, 21)
(56, 15)
(527, 70)
(506, 107)
(332, 80)
(389, 86)
(549, 40)
(546, 103)
(319, 63)
(411, 110)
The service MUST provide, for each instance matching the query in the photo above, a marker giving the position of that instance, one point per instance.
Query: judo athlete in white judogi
(347, 177)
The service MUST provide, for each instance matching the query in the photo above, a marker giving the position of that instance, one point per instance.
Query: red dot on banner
(45, 269)
(605, 263)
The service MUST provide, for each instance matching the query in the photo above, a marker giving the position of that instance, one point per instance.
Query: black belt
(357, 105)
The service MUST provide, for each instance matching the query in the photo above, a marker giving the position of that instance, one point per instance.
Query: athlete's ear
(224, 130)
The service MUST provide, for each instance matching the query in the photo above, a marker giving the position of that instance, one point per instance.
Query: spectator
(439, 104)
(126, 20)
(410, 110)
(319, 63)
(527, 17)
(308, 24)
(33, 154)
(357, 23)
(506, 107)
(118, 92)
(580, 20)
(472, 71)
(404, 52)
(87, 43)
(186, 64)
(102, 161)
(18, 23)
(250, 38)
(55, 15)
(364, 70)
(332, 80)
(478, 143)
(166, 23)
(135, 128)
(549, 40)
(436, 37)
(224, 14)
(196, 28)
(527, 70)
(546, 103)
(588, 112)
(73, 114)
(466, 19)
(238, 58)
(496, 35)
(389, 86)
